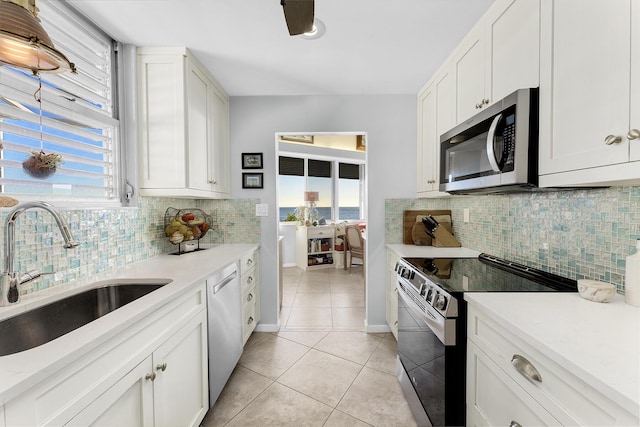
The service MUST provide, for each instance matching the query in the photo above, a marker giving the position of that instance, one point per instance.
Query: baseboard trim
(377, 329)
(269, 327)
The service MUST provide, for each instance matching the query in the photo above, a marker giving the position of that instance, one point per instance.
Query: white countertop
(413, 251)
(597, 342)
(20, 371)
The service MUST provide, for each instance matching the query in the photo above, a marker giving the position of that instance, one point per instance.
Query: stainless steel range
(432, 318)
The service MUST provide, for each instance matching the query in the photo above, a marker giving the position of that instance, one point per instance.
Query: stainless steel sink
(43, 324)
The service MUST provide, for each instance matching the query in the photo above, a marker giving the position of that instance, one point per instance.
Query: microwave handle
(490, 137)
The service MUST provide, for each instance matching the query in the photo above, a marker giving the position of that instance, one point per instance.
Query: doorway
(321, 187)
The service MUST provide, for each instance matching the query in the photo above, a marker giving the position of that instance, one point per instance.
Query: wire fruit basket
(185, 228)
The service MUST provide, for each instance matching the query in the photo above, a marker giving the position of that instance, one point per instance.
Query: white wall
(390, 123)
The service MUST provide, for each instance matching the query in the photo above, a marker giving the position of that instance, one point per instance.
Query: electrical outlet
(262, 209)
(466, 214)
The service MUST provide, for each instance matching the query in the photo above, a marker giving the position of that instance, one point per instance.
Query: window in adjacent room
(339, 184)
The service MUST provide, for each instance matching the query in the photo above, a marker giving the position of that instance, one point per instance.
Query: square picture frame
(251, 160)
(252, 180)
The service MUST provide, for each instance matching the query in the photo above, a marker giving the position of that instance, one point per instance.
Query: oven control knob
(441, 302)
(429, 295)
(412, 274)
(398, 267)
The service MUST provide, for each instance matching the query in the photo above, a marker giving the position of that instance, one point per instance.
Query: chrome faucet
(10, 278)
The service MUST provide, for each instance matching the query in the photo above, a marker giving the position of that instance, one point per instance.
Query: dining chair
(356, 245)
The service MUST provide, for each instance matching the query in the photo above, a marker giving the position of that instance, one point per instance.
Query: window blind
(76, 117)
(319, 168)
(291, 166)
(348, 171)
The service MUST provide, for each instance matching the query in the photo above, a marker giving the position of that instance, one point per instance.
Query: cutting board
(409, 219)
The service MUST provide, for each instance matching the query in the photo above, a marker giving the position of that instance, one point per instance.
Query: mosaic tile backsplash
(112, 238)
(576, 234)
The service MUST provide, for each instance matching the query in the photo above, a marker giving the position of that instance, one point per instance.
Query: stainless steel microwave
(494, 151)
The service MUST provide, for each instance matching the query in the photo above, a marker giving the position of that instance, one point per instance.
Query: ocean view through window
(338, 184)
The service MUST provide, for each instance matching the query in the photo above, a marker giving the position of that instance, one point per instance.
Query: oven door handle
(445, 330)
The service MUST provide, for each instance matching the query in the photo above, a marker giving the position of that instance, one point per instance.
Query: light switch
(262, 209)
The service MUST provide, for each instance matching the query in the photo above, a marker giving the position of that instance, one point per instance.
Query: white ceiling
(370, 46)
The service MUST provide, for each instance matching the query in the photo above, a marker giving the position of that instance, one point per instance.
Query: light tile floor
(316, 372)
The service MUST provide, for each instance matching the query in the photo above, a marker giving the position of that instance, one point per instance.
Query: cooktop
(488, 273)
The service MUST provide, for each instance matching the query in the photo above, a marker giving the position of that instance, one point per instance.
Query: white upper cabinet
(498, 56)
(435, 116)
(634, 117)
(589, 92)
(183, 127)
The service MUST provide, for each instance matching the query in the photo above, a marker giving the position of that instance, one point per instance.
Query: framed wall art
(252, 180)
(251, 160)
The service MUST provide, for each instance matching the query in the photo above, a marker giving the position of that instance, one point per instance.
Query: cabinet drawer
(318, 232)
(248, 261)
(565, 396)
(249, 316)
(496, 400)
(249, 279)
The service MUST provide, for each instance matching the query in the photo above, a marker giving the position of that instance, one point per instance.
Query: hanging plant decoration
(40, 165)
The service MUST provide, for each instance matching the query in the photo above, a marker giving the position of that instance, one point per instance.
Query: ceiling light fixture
(23, 41)
(316, 32)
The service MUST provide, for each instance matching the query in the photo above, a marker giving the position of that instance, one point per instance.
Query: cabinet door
(219, 152)
(161, 121)
(634, 121)
(512, 33)
(584, 83)
(494, 399)
(198, 112)
(427, 117)
(469, 67)
(436, 108)
(129, 402)
(181, 386)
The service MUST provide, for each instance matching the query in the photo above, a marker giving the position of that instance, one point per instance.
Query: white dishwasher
(224, 321)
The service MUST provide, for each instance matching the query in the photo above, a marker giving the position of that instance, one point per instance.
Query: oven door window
(423, 356)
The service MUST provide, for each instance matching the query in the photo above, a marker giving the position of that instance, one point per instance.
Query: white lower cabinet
(128, 402)
(250, 291)
(511, 382)
(392, 293)
(154, 373)
(494, 399)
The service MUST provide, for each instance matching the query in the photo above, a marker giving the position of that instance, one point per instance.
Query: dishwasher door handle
(218, 287)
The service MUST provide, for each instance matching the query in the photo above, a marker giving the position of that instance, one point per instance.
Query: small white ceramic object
(189, 247)
(596, 291)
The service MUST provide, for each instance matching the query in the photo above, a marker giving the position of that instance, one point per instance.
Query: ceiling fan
(299, 16)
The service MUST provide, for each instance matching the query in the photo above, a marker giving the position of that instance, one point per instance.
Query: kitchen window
(340, 186)
(76, 118)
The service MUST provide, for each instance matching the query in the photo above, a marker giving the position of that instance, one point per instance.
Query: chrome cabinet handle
(431, 181)
(633, 134)
(525, 368)
(161, 367)
(612, 139)
(249, 280)
(249, 297)
(515, 424)
(250, 320)
(151, 376)
(213, 181)
(249, 261)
